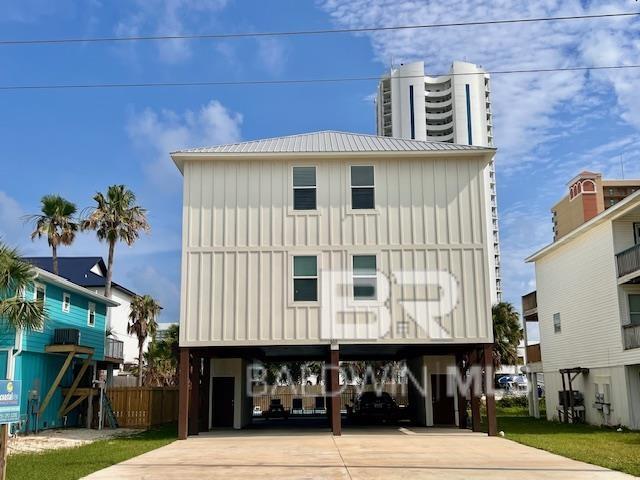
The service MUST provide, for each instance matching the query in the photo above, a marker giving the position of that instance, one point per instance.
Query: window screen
(304, 188)
(362, 187)
(305, 279)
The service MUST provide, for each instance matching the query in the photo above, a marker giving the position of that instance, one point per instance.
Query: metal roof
(77, 270)
(331, 141)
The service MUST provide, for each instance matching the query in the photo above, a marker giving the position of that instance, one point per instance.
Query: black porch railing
(628, 261)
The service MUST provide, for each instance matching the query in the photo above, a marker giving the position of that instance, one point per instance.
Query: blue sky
(76, 142)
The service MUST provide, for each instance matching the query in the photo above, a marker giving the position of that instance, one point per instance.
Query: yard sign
(9, 401)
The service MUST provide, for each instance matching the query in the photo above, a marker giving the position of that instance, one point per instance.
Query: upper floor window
(304, 188)
(305, 278)
(362, 187)
(40, 292)
(66, 302)
(91, 314)
(557, 327)
(364, 277)
(634, 309)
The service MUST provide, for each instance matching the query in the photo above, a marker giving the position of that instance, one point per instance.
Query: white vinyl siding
(240, 232)
(592, 305)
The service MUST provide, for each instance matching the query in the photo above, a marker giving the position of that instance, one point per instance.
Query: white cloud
(169, 17)
(272, 53)
(12, 228)
(526, 106)
(533, 113)
(159, 133)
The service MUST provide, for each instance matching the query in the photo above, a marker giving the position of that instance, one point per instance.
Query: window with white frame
(304, 188)
(91, 314)
(40, 293)
(362, 187)
(557, 327)
(634, 309)
(364, 277)
(66, 302)
(305, 278)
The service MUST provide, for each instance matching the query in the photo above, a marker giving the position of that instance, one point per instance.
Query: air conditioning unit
(563, 398)
(66, 336)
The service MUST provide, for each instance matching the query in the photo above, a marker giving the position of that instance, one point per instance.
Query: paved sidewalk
(405, 453)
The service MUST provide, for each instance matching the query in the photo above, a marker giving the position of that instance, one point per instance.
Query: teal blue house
(58, 364)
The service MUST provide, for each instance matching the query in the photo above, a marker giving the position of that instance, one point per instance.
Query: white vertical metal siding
(239, 231)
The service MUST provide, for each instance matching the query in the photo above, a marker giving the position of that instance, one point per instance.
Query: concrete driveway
(400, 453)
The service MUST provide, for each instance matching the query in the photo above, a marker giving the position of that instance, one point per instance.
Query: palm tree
(115, 218)
(507, 334)
(142, 323)
(15, 276)
(56, 221)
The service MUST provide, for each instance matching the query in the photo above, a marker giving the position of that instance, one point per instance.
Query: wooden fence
(144, 407)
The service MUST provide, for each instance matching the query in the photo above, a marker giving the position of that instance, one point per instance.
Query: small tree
(162, 359)
(507, 334)
(56, 222)
(143, 323)
(116, 217)
(15, 276)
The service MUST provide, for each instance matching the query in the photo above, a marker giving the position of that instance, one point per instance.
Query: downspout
(11, 355)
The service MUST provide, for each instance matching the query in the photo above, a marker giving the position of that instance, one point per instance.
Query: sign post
(9, 413)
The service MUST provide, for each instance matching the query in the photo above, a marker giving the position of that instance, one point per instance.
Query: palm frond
(23, 314)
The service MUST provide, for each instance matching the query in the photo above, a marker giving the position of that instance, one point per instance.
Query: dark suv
(371, 406)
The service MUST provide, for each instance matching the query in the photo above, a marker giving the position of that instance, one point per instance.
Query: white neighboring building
(588, 309)
(453, 108)
(90, 272)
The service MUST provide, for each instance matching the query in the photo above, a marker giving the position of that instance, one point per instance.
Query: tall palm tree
(56, 222)
(507, 334)
(116, 217)
(15, 276)
(142, 323)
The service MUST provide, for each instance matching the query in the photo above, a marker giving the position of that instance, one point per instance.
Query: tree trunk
(140, 362)
(54, 257)
(107, 285)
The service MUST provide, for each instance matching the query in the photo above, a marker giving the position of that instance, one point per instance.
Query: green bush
(512, 401)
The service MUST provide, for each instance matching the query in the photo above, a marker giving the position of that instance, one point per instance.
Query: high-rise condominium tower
(454, 108)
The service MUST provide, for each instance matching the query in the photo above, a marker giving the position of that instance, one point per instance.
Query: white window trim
(364, 301)
(66, 301)
(37, 285)
(628, 305)
(304, 303)
(361, 211)
(91, 307)
(290, 209)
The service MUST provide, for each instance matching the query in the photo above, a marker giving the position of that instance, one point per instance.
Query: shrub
(512, 401)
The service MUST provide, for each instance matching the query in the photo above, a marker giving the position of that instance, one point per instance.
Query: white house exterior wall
(239, 232)
(579, 281)
(118, 319)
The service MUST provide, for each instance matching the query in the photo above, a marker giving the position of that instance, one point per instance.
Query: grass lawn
(73, 463)
(599, 446)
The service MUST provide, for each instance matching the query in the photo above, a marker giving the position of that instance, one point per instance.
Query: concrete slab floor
(374, 453)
